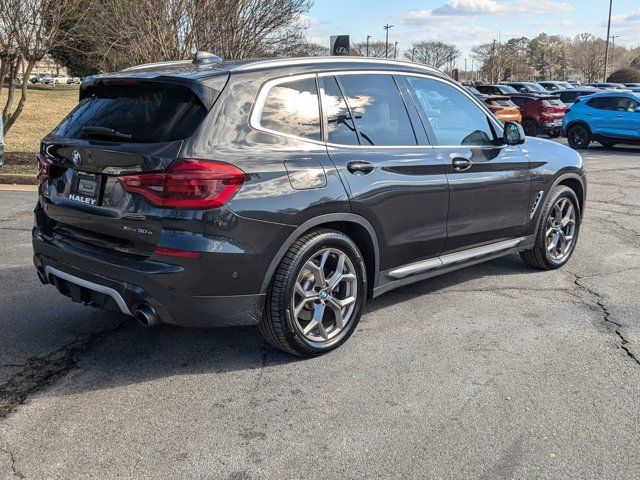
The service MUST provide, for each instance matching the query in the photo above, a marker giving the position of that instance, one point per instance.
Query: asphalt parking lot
(497, 371)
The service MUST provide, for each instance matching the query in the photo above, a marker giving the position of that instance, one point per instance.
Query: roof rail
(156, 64)
(276, 62)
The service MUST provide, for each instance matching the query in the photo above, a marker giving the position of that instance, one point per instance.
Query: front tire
(579, 137)
(557, 231)
(317, 295)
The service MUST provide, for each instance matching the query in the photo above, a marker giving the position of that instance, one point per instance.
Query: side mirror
(513, 134)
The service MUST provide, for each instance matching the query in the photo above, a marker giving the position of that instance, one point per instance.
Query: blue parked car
(608, 118)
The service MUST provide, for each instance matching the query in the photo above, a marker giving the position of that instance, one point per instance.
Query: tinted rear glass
(139, 113)
(552, 103)
(292, 108)
(502, 103)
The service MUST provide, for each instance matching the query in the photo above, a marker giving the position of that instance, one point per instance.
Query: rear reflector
(44, 168)
(174, 252)
(187, 183)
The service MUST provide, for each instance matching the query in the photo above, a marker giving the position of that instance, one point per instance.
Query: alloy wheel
(561, 227)
(324, 296)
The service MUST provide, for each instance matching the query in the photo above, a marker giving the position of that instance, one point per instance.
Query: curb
(18, 179)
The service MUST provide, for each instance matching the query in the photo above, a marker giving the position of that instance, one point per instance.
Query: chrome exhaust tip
(147, 316)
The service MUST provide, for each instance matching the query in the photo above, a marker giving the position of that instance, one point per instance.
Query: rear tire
(558, 231)
(530, 127)
(579, 137)
(317, 295)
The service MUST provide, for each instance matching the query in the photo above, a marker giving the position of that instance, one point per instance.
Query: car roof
(613, 93)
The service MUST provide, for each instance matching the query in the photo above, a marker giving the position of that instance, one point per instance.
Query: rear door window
(340, 127)
(603, 103)
(135, 113)
(379, 112)
(292, 108)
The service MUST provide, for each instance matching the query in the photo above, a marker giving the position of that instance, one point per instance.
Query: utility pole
(368, 37)
(613, 50)
(606, 49)
(473, 77)
(395, 50)
(465, 69)
(386, 41)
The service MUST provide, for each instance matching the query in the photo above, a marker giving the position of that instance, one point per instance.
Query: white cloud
(468, 7)
(454, 8)
(626, 27)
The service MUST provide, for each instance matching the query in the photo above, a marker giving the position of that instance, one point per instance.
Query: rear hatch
(501, 104)
(121, 128)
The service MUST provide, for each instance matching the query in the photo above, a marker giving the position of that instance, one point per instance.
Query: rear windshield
(552, 102)
(502, 103)
(135, 113)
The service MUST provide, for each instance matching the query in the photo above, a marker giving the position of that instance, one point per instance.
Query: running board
(451, 258)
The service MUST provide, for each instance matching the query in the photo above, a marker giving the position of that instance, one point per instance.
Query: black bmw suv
(283, 193)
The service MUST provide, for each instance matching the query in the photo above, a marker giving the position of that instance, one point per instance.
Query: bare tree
(587, 56)
(310, 50)
(250, 28)
(434, 54)
(376, 49)
(33, 28)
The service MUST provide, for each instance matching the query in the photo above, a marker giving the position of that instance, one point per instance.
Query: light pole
(606, 48)
(368, 37)
(465, 69)
(386, 41)
(613, 50)
(395, 50)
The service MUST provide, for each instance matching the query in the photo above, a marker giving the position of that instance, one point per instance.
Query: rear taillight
(187, 183)
(44, 168)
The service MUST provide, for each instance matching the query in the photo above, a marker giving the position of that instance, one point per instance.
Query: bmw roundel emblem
(76, 158)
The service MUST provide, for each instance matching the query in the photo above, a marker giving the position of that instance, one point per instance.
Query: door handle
(619, 116)
(460, 163)
(360, 168)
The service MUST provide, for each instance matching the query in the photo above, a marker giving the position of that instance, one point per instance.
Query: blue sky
(469, 22)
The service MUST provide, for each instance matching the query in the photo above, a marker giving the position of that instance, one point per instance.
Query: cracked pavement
(496, 371)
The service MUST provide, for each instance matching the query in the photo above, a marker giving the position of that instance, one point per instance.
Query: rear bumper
(99, 281)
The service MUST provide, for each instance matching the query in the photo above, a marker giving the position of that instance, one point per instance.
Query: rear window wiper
(104, 132)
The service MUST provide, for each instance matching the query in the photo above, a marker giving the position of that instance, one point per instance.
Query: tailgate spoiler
(206, 89)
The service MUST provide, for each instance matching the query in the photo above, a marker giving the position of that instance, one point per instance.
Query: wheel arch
(576, 183)
(354, 226)
(582, 123)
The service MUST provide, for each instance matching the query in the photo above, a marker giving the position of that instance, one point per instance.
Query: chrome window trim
(258, 106)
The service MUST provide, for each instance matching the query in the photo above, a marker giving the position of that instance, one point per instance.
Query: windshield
(507, 89)
(135, 113)
(535, 87)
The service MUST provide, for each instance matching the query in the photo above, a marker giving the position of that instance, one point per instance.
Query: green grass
(46, 106)
(22, 169)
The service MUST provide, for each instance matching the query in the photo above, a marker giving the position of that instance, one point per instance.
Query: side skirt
(416, 272)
